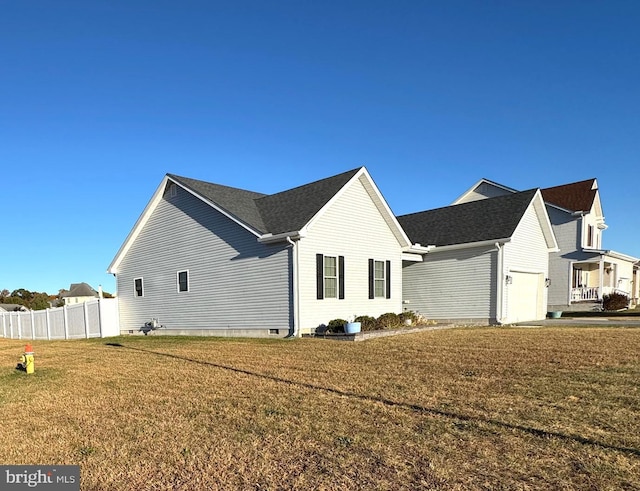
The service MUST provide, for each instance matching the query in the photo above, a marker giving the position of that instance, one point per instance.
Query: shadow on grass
(412, 407)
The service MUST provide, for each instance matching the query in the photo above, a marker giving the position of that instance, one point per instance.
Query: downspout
(296, 293)
(500, 281)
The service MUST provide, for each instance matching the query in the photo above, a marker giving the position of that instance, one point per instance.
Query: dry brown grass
(452, 409)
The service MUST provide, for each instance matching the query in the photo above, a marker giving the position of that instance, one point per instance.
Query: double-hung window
(329, 276)
(379, 279)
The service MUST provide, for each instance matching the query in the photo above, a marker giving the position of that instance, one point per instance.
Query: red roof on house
(577, 196)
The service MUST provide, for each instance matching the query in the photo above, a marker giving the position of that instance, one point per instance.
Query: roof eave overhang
(469, 245)
(282, 237)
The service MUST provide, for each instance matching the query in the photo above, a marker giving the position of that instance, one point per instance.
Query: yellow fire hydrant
(26, 362)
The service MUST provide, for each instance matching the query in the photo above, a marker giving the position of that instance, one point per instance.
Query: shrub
(367, 322)
(615, 301)
(409, 314)
(389, 321)
(336, 325)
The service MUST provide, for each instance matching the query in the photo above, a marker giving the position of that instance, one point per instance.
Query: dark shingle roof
(80, 290)
(475, 221)
(576, 196)
(292, 209)
(239, 203)
(286, 211)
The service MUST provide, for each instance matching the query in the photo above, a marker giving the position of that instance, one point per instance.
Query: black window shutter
(371, 286)
(388, 278)
(341, 277)
(319, 276)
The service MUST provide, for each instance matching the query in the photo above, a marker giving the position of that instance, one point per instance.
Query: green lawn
(500, 408)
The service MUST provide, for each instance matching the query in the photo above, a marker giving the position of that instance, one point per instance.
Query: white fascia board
(469, 245)
(620, 255)
(380, 202)
(140, 223)
(545, 222)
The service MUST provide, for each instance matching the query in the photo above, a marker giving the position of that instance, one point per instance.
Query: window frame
(322, 277)
(135, 287)
(179, 284)
(379, 283)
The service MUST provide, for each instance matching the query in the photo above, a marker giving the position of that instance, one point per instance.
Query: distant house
(12, 307)
(581, 272)
(488, 260)
(79, 293)
(209, 259)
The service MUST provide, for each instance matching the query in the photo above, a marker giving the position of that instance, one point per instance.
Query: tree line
(34, 300)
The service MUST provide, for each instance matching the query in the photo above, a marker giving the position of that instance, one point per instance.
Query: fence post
(48, 326)
(19, 326)
(86, 319)
(4, 326)
(33, 325)
(100, 306)
(65, 322)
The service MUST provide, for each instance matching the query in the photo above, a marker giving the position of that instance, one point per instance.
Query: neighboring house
(79, 293)
(210, 259)
(581, 272)
(12, 307)
(489, 264)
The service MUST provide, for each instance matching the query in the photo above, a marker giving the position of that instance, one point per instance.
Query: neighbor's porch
(590, 280)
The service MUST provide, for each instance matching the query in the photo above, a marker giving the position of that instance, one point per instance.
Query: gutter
(267, 238)
(296, 293)
(500, 285)
(468, 245)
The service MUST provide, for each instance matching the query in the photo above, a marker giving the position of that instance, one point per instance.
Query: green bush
(389, 321)
(615, 301)
(367, 322)
(336, 325)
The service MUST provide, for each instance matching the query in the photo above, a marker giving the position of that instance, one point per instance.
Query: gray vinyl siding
(458, 284)
(352, 227)
(235, 283)
(567, 231)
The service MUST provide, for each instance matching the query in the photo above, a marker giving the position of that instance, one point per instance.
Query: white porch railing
(584, 293)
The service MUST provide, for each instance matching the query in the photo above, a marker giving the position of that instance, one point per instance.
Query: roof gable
(483, 189)
(80, 290)
(268, 217)
(576, 196)
(465, 223)
(291, 210)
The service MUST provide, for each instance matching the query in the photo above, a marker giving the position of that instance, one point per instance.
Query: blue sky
(100, 99)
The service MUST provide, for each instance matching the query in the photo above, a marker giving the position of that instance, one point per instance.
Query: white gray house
(488, 260)
(581, 271)
(209, 259)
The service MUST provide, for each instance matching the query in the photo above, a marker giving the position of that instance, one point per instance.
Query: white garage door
(525, 297)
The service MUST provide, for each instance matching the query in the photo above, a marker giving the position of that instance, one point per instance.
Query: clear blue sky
(99, 99)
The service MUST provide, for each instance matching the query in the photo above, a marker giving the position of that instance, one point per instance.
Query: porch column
(600, 277)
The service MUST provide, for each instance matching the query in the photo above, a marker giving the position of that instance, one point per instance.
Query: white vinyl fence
(93, 319)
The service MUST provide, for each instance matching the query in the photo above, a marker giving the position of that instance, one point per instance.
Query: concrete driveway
(603, 321)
